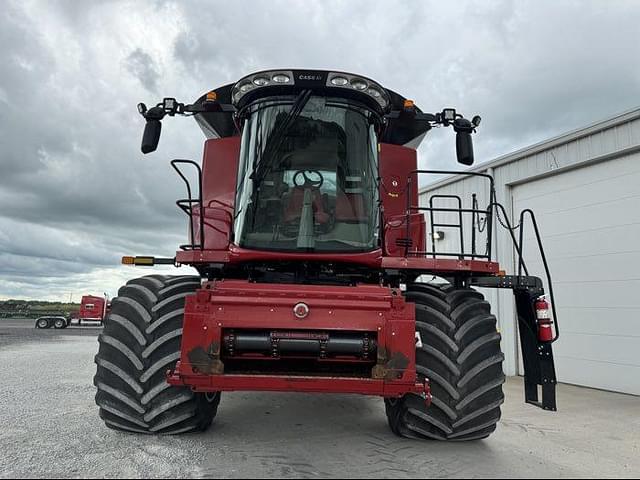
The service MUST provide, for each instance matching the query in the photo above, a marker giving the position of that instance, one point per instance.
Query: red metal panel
(396, 230)
(441, 265)
(219, 175)
(273, 383)
(236, 254)
(237, 304)
(220, 170)
(92, 307)
(396, 163)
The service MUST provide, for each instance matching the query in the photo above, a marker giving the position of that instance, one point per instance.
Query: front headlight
(360, 84)
(258, 80)
(281, 78)
(339, 81)
(261, 81)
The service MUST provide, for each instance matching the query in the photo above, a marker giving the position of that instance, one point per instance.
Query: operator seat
(293, 208)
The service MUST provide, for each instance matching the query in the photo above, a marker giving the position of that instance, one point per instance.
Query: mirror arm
(170, 106)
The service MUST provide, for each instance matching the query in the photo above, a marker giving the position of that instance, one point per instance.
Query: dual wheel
(55, 322)
(460, 355)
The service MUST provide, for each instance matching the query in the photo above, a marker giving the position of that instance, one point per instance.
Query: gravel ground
(22, 330)
(50, 428)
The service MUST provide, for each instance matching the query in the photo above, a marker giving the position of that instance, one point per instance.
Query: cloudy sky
(76, 193)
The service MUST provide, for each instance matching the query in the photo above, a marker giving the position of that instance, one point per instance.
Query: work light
(449, 114)
(281, 78)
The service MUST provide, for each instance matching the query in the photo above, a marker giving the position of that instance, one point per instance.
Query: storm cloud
(75, 191)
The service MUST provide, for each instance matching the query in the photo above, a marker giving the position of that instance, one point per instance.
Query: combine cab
(319, 269)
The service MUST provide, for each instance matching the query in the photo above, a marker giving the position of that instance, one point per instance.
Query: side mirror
(464, 142)
(151, 136)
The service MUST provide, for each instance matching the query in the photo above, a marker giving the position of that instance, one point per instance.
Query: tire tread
(462, 358)
(140, 341)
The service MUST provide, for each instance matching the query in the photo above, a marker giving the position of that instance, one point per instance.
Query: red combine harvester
(312, 252)
(92, 309)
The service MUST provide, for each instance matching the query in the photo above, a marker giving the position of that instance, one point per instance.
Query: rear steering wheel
(307, 179)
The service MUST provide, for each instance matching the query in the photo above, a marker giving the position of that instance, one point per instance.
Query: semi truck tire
(59, 323)
(139, 343)
(461, 356)
(43, 323)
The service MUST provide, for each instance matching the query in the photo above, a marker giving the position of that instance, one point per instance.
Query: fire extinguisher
(543, 316)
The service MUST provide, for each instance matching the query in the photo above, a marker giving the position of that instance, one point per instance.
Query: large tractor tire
(139, 343)
(460, 355)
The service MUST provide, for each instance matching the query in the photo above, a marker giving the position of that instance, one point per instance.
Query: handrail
(494, 207)
(547, 272)
(434, 225)
(411, 207)
(190, 201)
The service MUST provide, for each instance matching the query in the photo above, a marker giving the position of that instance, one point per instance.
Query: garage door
(590, 222)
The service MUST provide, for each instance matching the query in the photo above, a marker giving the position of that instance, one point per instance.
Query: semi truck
(93, 310)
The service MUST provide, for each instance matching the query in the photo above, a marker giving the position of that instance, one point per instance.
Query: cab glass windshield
(308, 177)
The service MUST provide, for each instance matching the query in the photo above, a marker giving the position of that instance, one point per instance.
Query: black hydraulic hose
(516, 245)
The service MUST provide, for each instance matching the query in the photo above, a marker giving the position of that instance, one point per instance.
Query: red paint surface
(272, 383)
(442, 265)
(220, 165)
(92, 308)
(396, 163)
(236, 304)
(219, 175)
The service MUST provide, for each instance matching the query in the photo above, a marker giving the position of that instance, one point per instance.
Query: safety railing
(479, 216)
(187, 204)
(435, 207)
(204, 213)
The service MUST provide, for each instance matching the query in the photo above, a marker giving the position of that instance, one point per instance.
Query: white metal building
(584, 187)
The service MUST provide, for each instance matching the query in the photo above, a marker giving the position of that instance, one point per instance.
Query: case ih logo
(301, 310)
(308, 76)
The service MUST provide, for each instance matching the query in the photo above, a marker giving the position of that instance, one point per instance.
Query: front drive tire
(139, 343)
(461, 357)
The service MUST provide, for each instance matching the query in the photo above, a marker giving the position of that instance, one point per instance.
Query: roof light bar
(333, 80)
